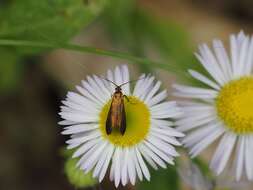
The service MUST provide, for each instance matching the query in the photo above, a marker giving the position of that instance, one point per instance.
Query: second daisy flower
(224, 108)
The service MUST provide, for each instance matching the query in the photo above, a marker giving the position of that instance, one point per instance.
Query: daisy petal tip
(60, 122)
(64, 133)
(180, 134)
(75, 155)
(193, 155)
(100, 179)
(86, 171)
(116, 184)
(191, 71)
(176, 155)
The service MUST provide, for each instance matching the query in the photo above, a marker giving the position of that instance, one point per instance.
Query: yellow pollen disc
(137, 123)
(235, 105)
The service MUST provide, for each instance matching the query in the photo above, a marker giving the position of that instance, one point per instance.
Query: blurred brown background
(30, 139)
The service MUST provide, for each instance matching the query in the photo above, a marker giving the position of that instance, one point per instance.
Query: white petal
(83, 108)
(234, 53)
(93, 91)
(196, 135)
(223, 59)
(167, 131)
(195, 90)
(204, 143)
(125, 160)
(131, 168)
(83, 139)
(110, 77)
(249, 59)
(79, 117)
(104, 89)
(209, 67)
(198, 108)
(79, 128)
(239, 39)
(249, 157)
(117, 159)
(126, 78)
(66, 122)
(239, 162)
(88, 93)
(152, 92)
(148, 158)
(195, 96)
(85, 100)
(161, 123)
(137, 166)
(158, 98)
(204, 79)
(164, 105)
(167, 158)
(242, 57)
(144, 91)
(118, 76)
(142, 165)
(89, 154)
(91, 161)
(222, 153)
(163, 146)
(101, 161)
(197, 120)
(211, 60)
(106, 163)
(157, 159)
(139, 84)
(112, 170)
(171, 140)
(85, 147)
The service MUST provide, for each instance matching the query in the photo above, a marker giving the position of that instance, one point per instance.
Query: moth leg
(125, 96)
(131, 102)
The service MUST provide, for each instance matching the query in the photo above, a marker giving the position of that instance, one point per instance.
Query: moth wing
(109, 122)
(123, 121)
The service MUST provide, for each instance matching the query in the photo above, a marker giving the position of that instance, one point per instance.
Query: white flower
(224, 107)
(149, 136)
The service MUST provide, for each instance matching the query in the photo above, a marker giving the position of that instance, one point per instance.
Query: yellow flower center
(137, 123)
(235, 105)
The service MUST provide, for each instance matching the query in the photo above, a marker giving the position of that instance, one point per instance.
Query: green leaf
(47, 20)
(76, 176)
(162, 180)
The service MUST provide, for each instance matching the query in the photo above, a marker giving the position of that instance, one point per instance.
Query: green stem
(92, 50)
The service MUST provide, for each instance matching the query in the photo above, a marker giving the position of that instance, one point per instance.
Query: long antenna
(123, 83)
(131, 81)
(109, 81)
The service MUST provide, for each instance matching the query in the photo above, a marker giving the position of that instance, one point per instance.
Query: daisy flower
(223, 109)
(149, 136)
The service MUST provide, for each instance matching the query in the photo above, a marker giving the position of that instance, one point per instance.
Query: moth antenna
(109, 81)
(131, 81)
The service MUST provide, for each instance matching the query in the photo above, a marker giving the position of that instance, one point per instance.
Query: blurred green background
(34, 80)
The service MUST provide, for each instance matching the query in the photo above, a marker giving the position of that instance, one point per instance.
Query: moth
(116, 117)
